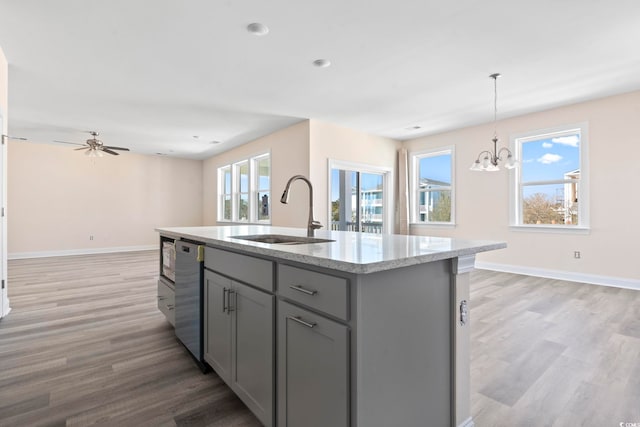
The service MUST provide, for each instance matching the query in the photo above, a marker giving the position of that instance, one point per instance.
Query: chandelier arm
(499, 153)
(485, 152)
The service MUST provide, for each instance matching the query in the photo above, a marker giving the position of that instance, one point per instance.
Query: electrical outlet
(576, 254)
(90, 237)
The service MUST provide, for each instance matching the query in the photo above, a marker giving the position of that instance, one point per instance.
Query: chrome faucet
(312, 225)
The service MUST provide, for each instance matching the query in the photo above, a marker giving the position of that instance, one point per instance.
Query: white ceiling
(150, 75)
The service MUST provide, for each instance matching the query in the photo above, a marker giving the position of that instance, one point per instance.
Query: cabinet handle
(161, 298)
(224, 299)
(303, 290)
(229, 308)
(170, 307)
(302, 322)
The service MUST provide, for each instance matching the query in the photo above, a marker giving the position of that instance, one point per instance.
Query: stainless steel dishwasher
(189, 302)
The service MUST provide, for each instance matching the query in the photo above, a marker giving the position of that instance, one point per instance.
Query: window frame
(414, 186)
(517, 185)
(256, 190)
(251, 193)
(222, 192)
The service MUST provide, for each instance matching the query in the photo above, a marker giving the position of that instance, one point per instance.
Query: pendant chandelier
(490, 159)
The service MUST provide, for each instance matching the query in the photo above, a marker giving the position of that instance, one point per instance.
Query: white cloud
(570, 140)
(547, 145)
(549, 158)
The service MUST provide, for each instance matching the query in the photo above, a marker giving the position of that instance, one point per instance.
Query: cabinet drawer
(255, 271)
(320, 291)
(166, 302)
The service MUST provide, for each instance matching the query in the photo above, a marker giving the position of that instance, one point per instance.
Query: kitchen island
(361, 330)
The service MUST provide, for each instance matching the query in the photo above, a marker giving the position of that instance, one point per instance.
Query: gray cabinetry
(313, 369)
(239, 341)
(319, 291)
(217, 324)
(252, 349)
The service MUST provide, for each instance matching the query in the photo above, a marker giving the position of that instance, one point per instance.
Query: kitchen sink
(281, 239)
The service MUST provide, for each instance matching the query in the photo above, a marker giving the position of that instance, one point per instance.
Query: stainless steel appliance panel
(189, 298)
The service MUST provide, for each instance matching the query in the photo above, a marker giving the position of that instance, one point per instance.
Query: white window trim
(221, 193)
(387, 182)
(235, 193)
(515, 198)
(255, 189)
(414, 159)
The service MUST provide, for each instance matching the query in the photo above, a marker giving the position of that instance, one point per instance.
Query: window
(358, 197)
(244, 190)
(225, 193)
(263, 187)
(551, 182)
(432, 195)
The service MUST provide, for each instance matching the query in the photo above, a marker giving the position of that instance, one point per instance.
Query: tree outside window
(432, 183)
(550, 181)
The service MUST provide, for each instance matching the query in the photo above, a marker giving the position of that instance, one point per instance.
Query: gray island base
(362, 331)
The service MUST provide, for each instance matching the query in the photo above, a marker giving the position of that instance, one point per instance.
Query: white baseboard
(69, 252)
(594, 279)
(6, 309)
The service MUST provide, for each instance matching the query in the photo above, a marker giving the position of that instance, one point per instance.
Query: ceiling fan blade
(67, 142)
(81, 148)
(115, 148)
(106, 150)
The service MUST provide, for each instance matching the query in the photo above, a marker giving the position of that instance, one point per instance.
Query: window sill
(433, 224)
(556, 229)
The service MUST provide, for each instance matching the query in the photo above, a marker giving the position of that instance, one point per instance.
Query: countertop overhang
(352, 252)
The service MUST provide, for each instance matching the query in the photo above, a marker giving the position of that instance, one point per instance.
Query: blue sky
(550, 158)
(368, 182)
(436, 168)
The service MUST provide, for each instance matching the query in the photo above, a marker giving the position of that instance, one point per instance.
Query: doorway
(359, 197)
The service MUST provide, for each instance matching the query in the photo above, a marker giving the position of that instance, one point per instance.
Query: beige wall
(289, 150)
(482, 199)
(59, 197)
(329, 141)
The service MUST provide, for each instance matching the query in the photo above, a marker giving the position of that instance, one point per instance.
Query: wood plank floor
(553, 353)
(86, 345)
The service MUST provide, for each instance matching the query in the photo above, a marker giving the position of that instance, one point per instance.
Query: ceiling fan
(94, 147)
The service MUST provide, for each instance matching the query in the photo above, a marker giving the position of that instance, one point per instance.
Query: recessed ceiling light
(414, 127)
(322, 63)
(258, 29)
(196, 136)
(215, 142)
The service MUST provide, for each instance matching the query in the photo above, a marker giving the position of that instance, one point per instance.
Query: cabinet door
(217, 321)
(252, 342)
(313, 369)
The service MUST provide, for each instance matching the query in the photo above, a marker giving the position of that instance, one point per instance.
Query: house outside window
(359, 197)
(244, 190)
(432, 187)
(550, 188)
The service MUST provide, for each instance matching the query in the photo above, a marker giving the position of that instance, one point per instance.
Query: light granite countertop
(352, 252)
